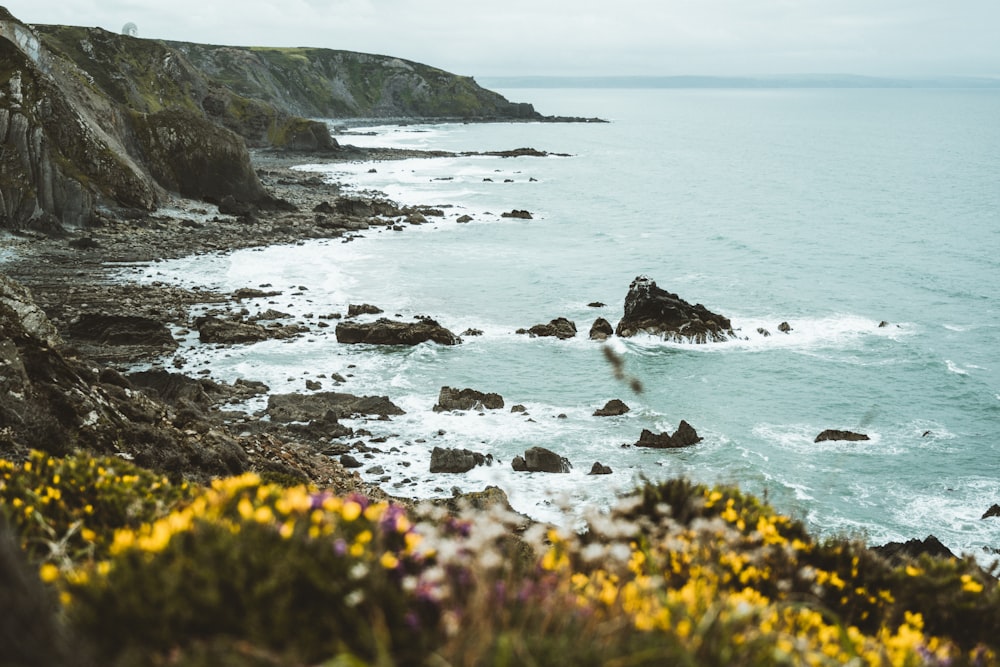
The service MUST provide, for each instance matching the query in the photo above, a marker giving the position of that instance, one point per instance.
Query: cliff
(91, 120)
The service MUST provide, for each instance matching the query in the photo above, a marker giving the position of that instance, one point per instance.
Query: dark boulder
(309, 407)
(539, 459)
(355, 309)
(899, 552)
(685, 436)
(655, 311)
(992, 512)
(466, 399)
(601, 329)
(784, 327)
(228, 332)
(834, 434)
(349, 461)
(390, 332)
(599, 469)
(517, 213)
(612, 408)
(560, 328)
(121, 330)
(457, 460)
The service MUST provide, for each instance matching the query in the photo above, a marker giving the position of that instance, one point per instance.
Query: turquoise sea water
(832, 210)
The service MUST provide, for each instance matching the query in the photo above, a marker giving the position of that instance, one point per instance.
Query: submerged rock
(649, 309)
(684, 436)
(391, 332)
(466, 399)
(834, 434)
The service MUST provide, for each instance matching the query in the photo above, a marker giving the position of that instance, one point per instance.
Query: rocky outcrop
(601, 329)
(390, 332)
(355, 309)
(457, 460)
(599, 469)
(993, 511)
(684, 436)
(309, 407)
(613, 408)
(133, 330)
(560, 328)
(900, 552)
(467, 399)
(539, 459)
(649, 309)
(834, 434)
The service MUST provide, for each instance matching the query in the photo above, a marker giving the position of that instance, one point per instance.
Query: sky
(584, 37)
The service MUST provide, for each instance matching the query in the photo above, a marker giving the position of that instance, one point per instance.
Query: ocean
(834, 210)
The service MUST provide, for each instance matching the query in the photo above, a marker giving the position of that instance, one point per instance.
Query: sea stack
(649, 309)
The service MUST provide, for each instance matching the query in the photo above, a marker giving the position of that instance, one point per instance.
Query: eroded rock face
(684, 436)
(467, 399)
(391, 332)
(649, 309)
(122, 330)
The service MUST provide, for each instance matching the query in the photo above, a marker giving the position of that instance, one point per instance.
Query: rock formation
(390, 332)
(649, 309)
(457, 460)
(612, 408)
(601, 329)
(539, 459)
(834, 434)
(560, 328)
(309, 407)
(684, 436)
(467, 399)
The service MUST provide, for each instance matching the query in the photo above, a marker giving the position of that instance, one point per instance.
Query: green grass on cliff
(243, 572)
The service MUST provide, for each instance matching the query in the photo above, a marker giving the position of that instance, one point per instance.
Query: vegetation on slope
(246, 572)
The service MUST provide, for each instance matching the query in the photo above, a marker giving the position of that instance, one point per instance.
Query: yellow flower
(389, 561)
(350, 511)
(971, 585)
(48, 573)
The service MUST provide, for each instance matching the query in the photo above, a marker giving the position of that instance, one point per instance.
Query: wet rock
(313, 385)
(390, 332)
(612, 408)
(121, 330)
(596, 304)
(472, 332)
(685, 436)
(227, 332)
(601, 329)
(251, 293)
(900, 552)
(649, 309)
(349, 461)
(992, 512)
(784, 327)
(834, 434)
(464, 218)
(467, 399)
(307, 407)
(518, 409)
(539, 459)
(517, 213)
(560, 328)
(457, 460)
(599, 469)
(763, 332)
(355, 309)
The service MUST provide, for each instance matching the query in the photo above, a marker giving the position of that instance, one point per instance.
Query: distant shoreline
(766, 81)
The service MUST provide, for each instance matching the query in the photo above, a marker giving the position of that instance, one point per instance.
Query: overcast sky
(584, 37)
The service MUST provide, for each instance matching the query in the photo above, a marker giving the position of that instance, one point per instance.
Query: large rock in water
(390, 332)
(649, 309)
(539, 459)
(684, 436)
(560, 328)
(457, 460)
(467, 399)
(834, 434)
